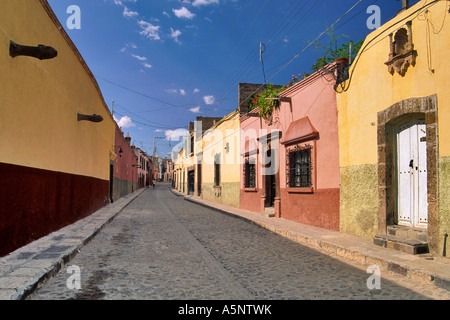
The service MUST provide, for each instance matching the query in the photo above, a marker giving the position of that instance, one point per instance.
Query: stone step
(269, 212)
(410, 246)
(408, 233)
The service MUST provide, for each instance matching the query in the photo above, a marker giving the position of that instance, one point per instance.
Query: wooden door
(412, 203)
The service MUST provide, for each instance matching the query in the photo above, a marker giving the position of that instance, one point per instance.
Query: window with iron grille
(250, 175)
(300, 167)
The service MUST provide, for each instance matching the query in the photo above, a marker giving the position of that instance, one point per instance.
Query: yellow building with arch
(394, 142)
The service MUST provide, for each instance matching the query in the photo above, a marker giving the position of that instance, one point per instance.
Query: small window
(250, 175)
(192, 146)
(217, 171)
(300, 169)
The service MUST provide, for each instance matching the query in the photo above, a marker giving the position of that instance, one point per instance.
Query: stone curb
(363, 256)
(25, 270)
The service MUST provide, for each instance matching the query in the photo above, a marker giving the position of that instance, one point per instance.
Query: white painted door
(412, 175)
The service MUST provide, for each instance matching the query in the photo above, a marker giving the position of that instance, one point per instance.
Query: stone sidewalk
(26, 269)
(359, 251)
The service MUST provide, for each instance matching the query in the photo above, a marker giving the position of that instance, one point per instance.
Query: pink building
(292, 163)
(309, 151)
(258, 192)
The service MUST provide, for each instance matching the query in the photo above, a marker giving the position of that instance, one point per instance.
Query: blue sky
(165, 62)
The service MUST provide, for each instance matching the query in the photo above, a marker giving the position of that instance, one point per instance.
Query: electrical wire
(290, 61)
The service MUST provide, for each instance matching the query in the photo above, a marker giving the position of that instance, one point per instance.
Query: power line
(245, 33)
(156, 123)
(171, 105)
(309, 45)
(275, 30)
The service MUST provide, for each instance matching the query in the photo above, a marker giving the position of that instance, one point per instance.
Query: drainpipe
(444, 251)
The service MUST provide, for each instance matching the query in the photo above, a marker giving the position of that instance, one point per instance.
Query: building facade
(220, 161)
(290, 161)
(125, 173)
(309, 151)
(143, 168)
(57, 134)
(393, 114)
(258, 190)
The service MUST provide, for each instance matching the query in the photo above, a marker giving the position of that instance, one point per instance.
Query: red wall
(36, 202)
(320, 209)
(128, 158)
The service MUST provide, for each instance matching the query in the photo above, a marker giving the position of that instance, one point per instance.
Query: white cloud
(175, 135)
(147, 65)
(139, 58)
(128, 45)
(195, 110)
(175, 34)
(199, 3)
(128, 13)
(149, 30)
(125, 122)
(120, 2)
(176, 91)
(196, 90)
(209, 100)
(183, 13)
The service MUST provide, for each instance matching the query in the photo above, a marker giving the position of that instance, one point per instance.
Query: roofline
(77, 53)
(308, 80)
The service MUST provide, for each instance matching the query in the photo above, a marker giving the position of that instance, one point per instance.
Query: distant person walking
(154, 182)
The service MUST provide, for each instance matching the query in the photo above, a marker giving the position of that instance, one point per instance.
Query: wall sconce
(91, 118)
(40, 52)
(120, 152)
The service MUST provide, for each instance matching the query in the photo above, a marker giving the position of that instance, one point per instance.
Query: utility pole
(261, 59)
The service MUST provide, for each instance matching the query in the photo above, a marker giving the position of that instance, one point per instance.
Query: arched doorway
(407, 167)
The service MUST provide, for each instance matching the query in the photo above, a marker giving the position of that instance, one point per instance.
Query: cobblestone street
(163, 247)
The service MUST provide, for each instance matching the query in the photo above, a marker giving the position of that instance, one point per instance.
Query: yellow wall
(215, 141)
(39, 100)
(372, 88)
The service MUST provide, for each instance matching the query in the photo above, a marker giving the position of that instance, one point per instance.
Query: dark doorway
(270, 191)
(191, 182)
(111, 181)
(199, 180)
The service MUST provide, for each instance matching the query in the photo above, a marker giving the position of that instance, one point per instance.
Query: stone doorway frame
(388, 119)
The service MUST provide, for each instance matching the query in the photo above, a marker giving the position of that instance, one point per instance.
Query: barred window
(300, 169)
